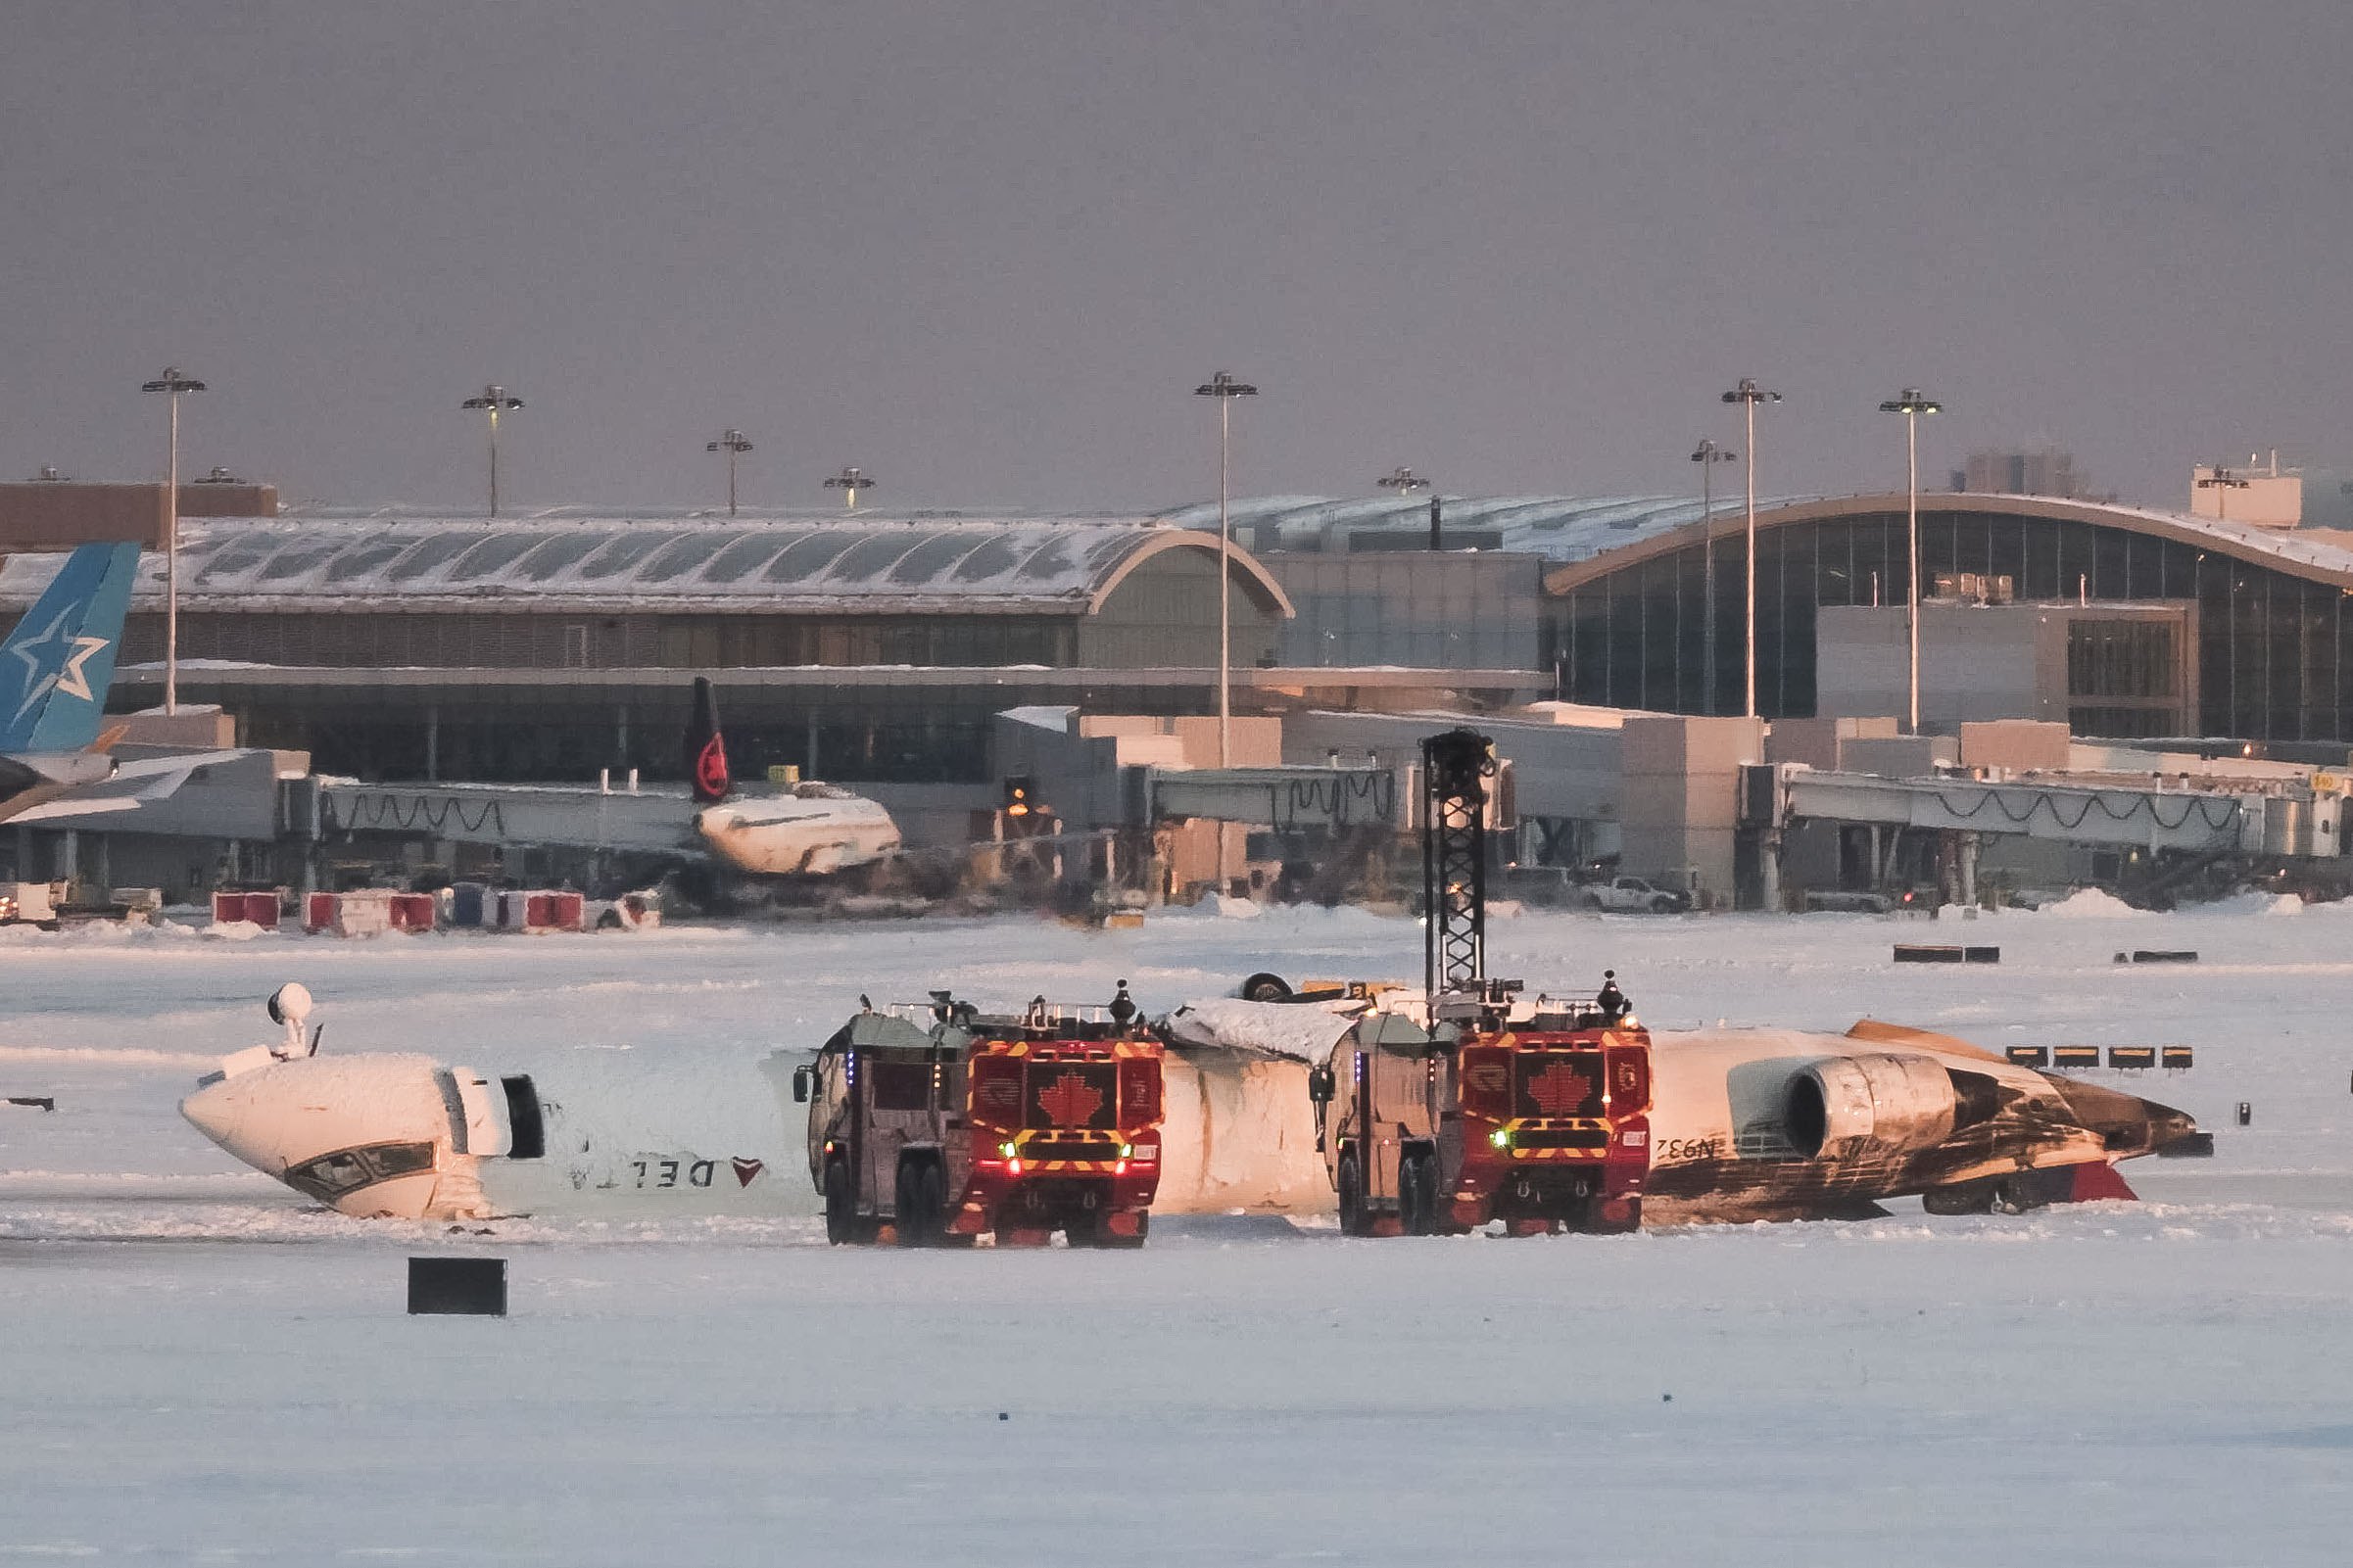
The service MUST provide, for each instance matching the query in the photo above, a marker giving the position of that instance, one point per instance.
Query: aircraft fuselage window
(529, 1134)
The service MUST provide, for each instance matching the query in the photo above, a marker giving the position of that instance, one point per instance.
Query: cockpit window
(333, 1175)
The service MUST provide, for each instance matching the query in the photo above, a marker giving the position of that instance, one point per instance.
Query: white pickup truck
(1631, 895)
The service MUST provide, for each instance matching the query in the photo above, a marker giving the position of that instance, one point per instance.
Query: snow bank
(2254, 903)
(2090, 903)
(1304, 1031)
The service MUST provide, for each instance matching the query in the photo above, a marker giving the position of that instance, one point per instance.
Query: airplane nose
(211, 1111)
(365, 1134)
(246, 1115)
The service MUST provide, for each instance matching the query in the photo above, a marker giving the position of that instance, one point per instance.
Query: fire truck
(934, 1125)
(1473, 1102)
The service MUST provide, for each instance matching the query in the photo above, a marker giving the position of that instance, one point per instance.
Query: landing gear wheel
(1964, 1198)
(1350, 1181)
(840, 1216)
(1263, 987)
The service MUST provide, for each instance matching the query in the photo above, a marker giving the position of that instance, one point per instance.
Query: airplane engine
(1890, 1103)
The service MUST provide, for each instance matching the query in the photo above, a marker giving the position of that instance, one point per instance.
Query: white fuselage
(815, 832)
(631, 1135)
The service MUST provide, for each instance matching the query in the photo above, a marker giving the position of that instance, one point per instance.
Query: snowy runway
(196, 1366)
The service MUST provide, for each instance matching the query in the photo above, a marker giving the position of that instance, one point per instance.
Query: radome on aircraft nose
(210, 1111)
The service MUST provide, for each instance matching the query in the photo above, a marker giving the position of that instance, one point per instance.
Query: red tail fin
(706, 749)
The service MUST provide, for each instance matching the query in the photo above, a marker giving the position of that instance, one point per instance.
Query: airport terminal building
(874, 649)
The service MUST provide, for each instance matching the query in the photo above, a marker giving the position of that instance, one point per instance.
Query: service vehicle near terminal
(939, 1124)
(1631, 895)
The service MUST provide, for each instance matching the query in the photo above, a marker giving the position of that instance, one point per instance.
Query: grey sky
(985, 249)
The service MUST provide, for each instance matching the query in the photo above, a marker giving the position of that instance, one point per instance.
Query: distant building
(2117, 670)
(53, 512)
(2268, 496)
(2047, 472)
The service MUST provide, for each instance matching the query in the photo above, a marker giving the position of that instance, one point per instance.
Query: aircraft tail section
(55, 666)
(706, 749)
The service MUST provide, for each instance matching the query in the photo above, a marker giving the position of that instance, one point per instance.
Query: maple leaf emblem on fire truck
(1559, 1089)
(1070, 1100)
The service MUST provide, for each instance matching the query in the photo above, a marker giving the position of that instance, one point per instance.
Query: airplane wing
(154, 779)
(1883, 1034)
(82, 806)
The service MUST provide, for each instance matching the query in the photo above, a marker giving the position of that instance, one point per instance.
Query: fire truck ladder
(1455, 769)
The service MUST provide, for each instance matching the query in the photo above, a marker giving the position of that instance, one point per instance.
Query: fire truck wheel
(932, 1194)
(1427, 1218)
(841, 1218)
(921, 1197)
(1108, 1239)
(1410, 1218)
(1350, 1181)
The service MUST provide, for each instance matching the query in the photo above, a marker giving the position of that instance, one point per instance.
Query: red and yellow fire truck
(935, 1124)
(1469, 1104)
(1534, 1115)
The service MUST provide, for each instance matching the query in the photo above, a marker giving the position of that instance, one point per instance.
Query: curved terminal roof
(1591, 537)
(972, 563)
(2319, 557)
(1560, 528)
(835, 562)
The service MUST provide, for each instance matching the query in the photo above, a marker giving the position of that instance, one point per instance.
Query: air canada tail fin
(55, 666)
(706, 749)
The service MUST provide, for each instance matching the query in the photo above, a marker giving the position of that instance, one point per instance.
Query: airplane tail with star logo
(55, 665)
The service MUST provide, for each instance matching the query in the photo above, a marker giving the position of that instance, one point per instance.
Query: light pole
(1707, 456)
(1224, 389)
(495, 400)
(732, 443)
(2221, 481)
(1749, 395)
(172, 384)
(850, 481)
(1912, 404)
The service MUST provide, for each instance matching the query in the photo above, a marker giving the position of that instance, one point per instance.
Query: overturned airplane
(1743, 1125)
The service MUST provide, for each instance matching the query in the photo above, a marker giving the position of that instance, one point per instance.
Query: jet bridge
(2151, 817)
(1285, 798)
(513, 816)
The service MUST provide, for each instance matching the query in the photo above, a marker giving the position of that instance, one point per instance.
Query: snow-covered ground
(195, 1365)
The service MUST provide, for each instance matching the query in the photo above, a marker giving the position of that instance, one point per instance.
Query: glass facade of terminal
(2274, 654)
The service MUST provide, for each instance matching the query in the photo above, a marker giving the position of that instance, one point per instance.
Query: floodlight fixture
(495, 400)
(732, 443)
